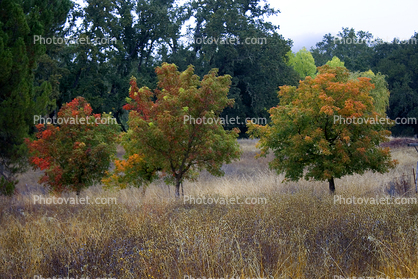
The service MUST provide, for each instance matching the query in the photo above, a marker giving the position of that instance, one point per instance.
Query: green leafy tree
(311, 137)
(380, 93)
(303, 63)
(165, 132)
(335, 62)
(20, 96)
(76, 153)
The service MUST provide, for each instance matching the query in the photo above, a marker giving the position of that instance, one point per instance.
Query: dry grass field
(298, 232)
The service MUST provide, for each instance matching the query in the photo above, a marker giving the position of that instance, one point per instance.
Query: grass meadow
(298, 232)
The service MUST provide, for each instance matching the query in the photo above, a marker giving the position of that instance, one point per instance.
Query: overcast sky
(307, 21)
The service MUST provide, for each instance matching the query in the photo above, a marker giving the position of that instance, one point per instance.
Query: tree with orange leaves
(326, 128)
(161, 137)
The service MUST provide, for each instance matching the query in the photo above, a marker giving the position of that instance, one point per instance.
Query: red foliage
(65, 153)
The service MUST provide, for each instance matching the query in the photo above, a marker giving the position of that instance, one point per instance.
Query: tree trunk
(178, 183)
(331, 185)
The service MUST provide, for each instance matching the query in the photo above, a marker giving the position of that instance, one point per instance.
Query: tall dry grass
(299, 233)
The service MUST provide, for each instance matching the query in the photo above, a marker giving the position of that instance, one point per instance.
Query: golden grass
(299, 233)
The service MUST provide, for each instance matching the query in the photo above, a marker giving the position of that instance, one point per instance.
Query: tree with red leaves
(76, 152)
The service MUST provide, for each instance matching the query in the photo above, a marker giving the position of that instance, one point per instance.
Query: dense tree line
(148, 33)
(37, 79)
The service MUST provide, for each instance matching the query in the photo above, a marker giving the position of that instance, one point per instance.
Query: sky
(307, 21)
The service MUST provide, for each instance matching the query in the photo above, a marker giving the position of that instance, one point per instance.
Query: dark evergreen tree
(20, 97)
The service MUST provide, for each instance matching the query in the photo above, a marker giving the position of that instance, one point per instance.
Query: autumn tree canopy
(76, 152)
(162, 135)
(380, 93)
(313, 134)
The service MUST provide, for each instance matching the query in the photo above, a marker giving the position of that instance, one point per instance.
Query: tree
(324, 50)
(380, 93)
(20, 99)
(135, 29)
(167, 132)
(335, 62)
(76, 153)
(302, 62)
(240, 42)
(313, 132)
(355, 49)
(399, 63)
